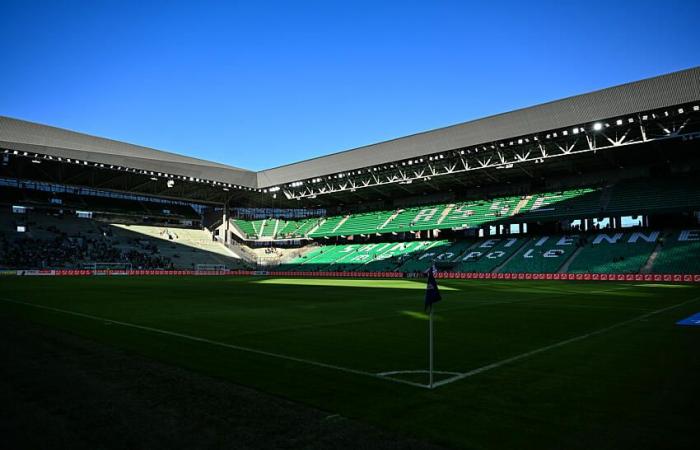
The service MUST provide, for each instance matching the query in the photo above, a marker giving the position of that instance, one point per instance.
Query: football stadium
(564, 240)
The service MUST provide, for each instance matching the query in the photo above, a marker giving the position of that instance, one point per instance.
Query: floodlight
(597, 126)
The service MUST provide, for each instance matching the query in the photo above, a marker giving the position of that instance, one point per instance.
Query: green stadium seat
(680, 251)
(615, 252)
(488, 254)
(542, 254)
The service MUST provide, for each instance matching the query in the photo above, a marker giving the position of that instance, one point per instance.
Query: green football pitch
(524, 364)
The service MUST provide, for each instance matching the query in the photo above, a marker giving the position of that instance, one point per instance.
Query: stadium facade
(604, 182)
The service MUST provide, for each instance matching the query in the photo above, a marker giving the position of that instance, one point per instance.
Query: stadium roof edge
(628, 98)
(25, 136)
(651, 93)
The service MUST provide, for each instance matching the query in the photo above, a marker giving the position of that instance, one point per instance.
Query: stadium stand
(98, 205)
(621, 199)
(54, 240)
(247, 228)
(605, 182)
(438, 252)
(543, 254)
(327, 227)
(60, 240)
(597, 252)
(489, 254)
(679, 253)
(614, 252)
(660, 195)
(186, 248)
(379, 257)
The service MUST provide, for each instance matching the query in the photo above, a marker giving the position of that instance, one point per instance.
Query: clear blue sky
(260, 84)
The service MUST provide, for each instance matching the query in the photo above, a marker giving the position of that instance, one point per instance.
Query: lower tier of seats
(614, 251)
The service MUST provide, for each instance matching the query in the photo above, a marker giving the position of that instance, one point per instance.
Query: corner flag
(432, 294)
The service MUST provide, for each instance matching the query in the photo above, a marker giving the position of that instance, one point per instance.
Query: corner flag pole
(430, 351)
(432, 296)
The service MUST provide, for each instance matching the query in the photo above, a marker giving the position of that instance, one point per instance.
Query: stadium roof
(34, 138)
(653, 93)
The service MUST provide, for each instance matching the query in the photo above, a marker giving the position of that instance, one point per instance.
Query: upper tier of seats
(625, 198)
(97, 204)
(274, 228)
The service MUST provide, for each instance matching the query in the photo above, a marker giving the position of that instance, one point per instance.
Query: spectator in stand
(72, 252)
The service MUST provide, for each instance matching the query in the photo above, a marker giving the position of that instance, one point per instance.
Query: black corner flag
(432, 294)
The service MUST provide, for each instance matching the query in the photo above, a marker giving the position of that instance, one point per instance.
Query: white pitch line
(381, 376)
(217, 343)
(399, 372)
(503, 362)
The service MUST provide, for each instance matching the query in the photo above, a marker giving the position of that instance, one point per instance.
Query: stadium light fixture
(170, 183)
(597, 126)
